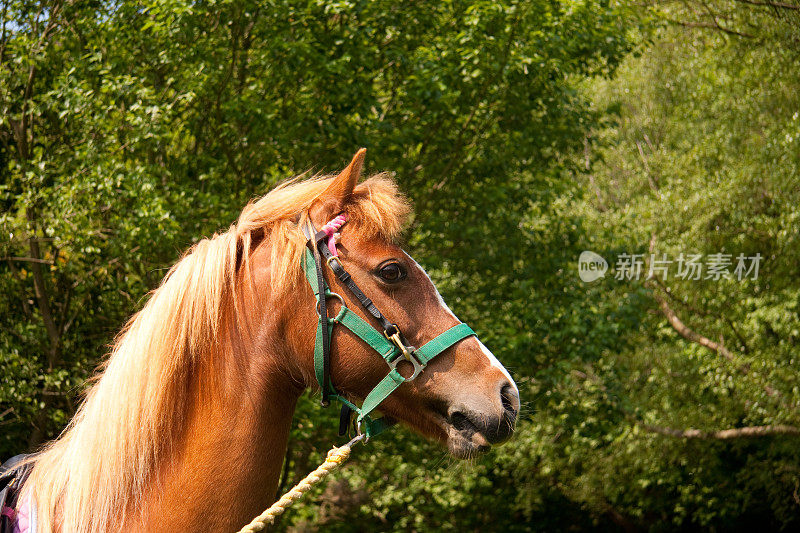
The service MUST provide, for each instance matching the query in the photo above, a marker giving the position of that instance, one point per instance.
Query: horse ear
(342, 186)
(334, 199)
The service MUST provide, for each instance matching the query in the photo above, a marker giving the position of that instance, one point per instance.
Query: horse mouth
(464, 440)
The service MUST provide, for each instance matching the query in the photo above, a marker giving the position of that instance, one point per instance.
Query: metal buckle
(341, 301)
(359, 433)
(408, 355)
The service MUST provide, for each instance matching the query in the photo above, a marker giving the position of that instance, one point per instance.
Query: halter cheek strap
(389, 344)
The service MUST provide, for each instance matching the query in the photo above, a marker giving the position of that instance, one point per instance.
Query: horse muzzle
(473, 426)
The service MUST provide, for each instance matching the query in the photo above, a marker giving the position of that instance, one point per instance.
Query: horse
(185, 426)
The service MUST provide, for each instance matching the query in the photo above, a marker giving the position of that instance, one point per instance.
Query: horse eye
(391, 272)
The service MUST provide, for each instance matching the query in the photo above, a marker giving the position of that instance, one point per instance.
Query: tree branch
(714, 16)
(677, 324)
(3, 34)
(722, 434)
(686, 332)
(781, 5)
(714, 26)
(653, 182)
(42, 301)
(27, 260)
(733, 433)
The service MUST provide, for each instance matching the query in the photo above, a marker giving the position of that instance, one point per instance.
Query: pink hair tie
(331, 228)
(10, 513)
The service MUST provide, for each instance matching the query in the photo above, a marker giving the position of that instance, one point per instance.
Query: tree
(129, 130)
(691, 420)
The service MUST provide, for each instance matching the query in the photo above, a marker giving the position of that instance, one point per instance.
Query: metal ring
(331, 295)
(331, 258)
(342, 310)
(361, 434)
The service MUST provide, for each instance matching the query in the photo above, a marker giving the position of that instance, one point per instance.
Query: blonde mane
(135, 412)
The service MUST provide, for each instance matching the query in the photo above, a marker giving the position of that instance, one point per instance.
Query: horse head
(464, 397)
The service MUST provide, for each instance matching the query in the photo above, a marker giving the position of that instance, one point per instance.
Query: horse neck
(227, 467)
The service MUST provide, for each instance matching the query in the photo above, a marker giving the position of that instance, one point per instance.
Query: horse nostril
(510, 400)
(460, 421)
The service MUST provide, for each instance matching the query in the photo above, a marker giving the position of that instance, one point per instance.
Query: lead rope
(336, 456)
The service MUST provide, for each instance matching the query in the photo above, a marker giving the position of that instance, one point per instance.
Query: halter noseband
(390, 344)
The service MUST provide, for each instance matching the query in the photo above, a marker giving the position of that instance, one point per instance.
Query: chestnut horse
(186, 427)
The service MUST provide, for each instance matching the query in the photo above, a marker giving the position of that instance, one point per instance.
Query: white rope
(336, 456)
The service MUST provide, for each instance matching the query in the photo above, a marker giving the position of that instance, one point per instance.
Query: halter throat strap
(389, 344)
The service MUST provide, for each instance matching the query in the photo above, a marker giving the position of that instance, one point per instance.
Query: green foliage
(697, 153)
(524, 132)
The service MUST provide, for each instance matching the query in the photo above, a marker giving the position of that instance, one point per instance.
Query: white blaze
(497, 364)
(493, 361)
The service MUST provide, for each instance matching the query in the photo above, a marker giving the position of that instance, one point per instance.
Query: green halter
(388, 344)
